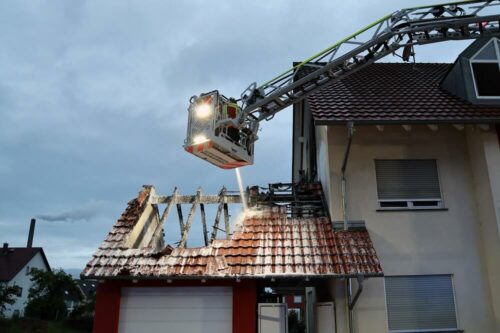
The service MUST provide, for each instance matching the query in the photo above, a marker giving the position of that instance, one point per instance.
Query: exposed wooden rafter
(190, 218)
(301, 200)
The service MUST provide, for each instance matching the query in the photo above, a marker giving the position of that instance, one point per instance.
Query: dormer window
(485, 66)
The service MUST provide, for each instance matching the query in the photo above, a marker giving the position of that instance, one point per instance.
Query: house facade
(15, 264)
(412, 151)
(391, 223)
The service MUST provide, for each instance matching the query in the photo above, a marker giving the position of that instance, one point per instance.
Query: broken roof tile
(268, 244)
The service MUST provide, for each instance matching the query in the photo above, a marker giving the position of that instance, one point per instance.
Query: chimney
(31, 233)
(5, 248)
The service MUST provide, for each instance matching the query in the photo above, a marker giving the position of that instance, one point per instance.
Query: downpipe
(350, 300)
(350, 133)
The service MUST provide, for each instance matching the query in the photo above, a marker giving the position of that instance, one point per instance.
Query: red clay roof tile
(267, 244)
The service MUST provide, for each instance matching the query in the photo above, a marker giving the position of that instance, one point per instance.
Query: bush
(8, 295)
(26, 325)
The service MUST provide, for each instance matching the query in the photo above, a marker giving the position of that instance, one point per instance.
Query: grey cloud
(85, 213)
(93, 98)
(70, 216)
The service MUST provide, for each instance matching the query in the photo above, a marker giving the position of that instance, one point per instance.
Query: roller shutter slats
(407, 179)
(423, 302)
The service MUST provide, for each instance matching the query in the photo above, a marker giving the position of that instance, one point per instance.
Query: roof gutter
(228, 277)
(326, 122)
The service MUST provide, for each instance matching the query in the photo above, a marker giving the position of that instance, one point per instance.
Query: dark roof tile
(15, 259)
(396, 92)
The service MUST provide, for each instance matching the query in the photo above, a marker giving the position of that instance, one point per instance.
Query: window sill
(411, 210)
(431, 331)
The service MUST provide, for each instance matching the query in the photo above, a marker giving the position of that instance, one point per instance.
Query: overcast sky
(93, 98)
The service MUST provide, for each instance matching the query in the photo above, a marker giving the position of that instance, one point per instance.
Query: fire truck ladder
(401, 29)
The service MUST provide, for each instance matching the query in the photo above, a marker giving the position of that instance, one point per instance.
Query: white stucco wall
(416, 242)
(323, 160)
(484, 155)
(22, 280)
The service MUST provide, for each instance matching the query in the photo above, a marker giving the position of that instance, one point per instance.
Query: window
(485, 65)
(408, 184)
(19, 291)
(297, 299)
(420, 303)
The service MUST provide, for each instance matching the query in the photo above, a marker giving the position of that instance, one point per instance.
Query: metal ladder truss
(401, 29)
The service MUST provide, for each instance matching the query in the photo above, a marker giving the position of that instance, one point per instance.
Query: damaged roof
(387, 93)
(267, 243)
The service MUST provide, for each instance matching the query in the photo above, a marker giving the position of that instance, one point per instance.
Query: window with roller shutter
(420, 303)
(408, 184)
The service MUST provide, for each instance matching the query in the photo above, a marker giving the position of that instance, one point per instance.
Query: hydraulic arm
(223, 130)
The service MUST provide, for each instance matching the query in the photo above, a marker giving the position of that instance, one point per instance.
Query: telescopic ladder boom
(401, 29)
(223, 130)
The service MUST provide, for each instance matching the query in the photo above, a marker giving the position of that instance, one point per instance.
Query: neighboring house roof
(15, 259)
(88, 287)
(266, 244)
(396, 93)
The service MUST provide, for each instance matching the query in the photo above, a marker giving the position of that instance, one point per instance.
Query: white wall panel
(176, 310)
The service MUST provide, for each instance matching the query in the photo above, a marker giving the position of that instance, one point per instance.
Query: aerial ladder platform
(223, 130)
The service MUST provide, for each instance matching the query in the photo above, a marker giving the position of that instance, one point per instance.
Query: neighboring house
(15, 264)
(421, 195)
(423, 174)
(87, 288)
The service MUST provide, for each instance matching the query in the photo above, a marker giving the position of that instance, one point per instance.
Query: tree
(46, 298)
(8, 295)
(86, 309)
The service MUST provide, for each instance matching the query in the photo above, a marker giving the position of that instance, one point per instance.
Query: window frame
(496, 45)
(457, 319)
(410, 201)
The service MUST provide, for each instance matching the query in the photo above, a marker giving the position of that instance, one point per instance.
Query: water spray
(242, 191)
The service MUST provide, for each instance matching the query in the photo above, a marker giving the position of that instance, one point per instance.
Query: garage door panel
(178, 301)
(173, 314)
(161, 291)
(177, 327)
(176, 309)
